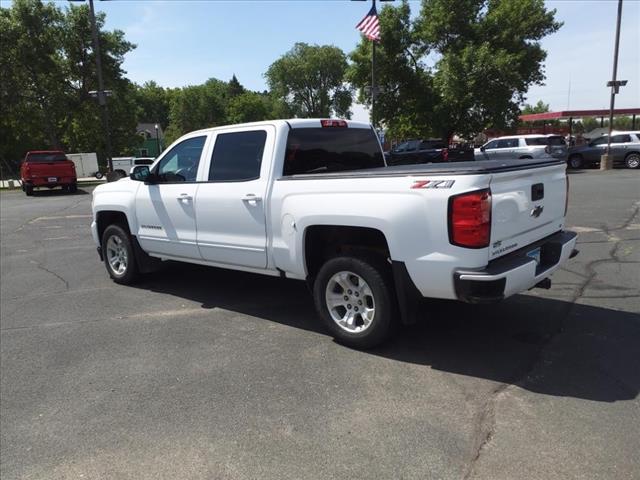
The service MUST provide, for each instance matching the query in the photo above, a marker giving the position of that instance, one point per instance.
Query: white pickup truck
(313, 200)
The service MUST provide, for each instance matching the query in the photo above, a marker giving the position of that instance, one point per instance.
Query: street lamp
(157, 140)
(101, 94)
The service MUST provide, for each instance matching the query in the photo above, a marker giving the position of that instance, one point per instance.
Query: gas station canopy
(532, 117)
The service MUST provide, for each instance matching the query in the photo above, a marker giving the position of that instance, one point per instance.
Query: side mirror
(140, 173)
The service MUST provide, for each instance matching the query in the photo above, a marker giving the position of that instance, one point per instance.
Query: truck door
(230, 206)
(165, 209)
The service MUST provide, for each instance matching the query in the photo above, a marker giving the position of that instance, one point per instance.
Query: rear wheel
(575, 161)
(73, 188)
(28, 189)
(118, 255)
(526, 157)
(632, 160)
(355, 299)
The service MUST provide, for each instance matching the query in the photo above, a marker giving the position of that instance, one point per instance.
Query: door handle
(184, 197)
(251, 198)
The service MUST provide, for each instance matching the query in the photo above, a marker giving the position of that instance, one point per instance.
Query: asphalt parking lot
(206, 373)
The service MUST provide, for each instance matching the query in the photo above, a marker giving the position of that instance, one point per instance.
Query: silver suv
(523, 147)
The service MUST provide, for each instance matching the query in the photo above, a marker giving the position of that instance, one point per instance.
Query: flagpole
(373, 77)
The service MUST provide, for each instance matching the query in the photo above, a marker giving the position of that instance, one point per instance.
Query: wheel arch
(321, 242)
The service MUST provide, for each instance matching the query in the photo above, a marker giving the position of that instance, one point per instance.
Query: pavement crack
(59, 277)
(486, 419)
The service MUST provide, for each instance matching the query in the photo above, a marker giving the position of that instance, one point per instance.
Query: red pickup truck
(48, 168)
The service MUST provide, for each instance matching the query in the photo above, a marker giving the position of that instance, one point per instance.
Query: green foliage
(153, 103)
(461, 66)
(47, 68)
(539, 107)
(309, 79)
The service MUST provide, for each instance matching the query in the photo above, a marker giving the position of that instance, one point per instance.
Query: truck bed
(454, 168)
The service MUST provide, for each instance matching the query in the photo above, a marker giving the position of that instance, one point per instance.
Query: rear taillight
(566, 197)
(445, 154)
(333, 123)
(470, 219)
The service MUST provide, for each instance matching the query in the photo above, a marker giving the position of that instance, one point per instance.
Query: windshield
(323, 150)
(45, 157)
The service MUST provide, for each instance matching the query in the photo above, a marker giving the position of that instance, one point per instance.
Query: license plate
(52, 179)
(535, 254)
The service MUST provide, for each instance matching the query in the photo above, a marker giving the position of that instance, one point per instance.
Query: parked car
(313, 200)
(427, 151)
(523, 147)
(625, 148)
(47, 168)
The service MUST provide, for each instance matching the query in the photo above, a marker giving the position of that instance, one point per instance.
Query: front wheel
(118, 255)
(355, 299)
(632, 160)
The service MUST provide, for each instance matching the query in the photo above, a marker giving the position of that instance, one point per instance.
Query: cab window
(180, 164)
(237, 156)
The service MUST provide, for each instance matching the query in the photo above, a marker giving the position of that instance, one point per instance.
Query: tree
(153, 103)
(252, 107)
(465, 64)
(235, 87)
(47, 68)
(539, 107)
(310, 80)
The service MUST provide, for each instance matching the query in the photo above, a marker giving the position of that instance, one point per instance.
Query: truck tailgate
(60, 168)
(527, 205)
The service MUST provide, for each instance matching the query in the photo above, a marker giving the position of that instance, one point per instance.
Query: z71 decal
(433, 184)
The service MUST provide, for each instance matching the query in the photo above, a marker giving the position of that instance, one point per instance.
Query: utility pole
(606, 161)
(101, 94)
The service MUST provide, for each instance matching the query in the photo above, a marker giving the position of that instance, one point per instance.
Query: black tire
(131, 272)
(526, 157)
(632, 160)
(28, 190)
(73, 188)
(576, 161)
(377, 276)
(99, 175)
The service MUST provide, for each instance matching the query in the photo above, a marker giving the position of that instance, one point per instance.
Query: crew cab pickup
(48, 168)
(313, 200)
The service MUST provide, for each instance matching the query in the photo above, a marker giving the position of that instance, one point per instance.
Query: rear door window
(508, 143)
(621, 139)
(325, 150)
(536, 141)
(237, 156)
(599, 141)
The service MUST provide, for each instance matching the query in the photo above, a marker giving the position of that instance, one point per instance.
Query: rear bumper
(44, 181)
(516, 272)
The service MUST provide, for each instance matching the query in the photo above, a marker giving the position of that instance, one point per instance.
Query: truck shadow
(546, 346)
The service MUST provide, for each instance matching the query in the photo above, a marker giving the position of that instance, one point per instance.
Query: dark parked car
(427, 151)
(625, 148)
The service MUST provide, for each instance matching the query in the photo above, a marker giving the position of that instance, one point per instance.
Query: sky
(184, 42)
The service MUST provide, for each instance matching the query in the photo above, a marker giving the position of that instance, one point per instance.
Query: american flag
(370, 25)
